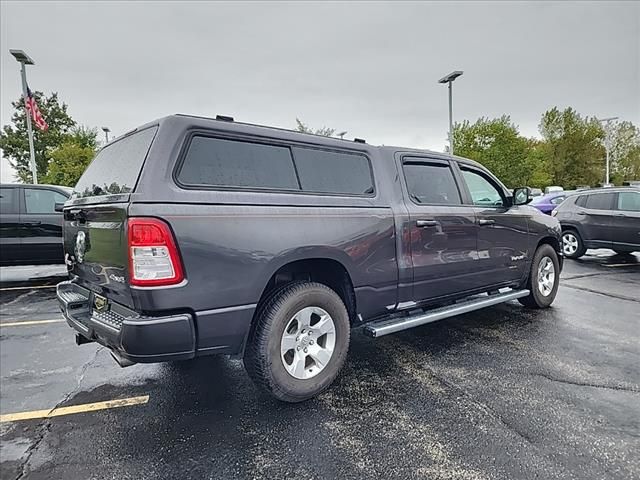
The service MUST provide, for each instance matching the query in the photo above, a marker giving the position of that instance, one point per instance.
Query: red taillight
(153, 254)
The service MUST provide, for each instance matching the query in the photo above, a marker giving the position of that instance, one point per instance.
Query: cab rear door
(442, 230)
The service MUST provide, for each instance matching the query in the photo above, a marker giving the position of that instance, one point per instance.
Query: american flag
(32, 108)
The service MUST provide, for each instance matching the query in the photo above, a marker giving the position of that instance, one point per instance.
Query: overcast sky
(368, 68)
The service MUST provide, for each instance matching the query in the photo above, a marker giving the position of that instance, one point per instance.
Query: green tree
(574, 147)
(69, 160)
(625, 152)
(324, 131)
(14, 140)
(497, 144)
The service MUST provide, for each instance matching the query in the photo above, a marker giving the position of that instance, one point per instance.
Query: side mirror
(58, 207)
(521, 196)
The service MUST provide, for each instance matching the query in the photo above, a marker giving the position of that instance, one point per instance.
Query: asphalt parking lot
(502, 393)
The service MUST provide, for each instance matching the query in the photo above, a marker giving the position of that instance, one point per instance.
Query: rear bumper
(129, 335)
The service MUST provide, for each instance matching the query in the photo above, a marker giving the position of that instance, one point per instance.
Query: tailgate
(95, 217)
(95, 247)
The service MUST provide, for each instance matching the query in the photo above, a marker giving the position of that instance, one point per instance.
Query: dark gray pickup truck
(194, 236)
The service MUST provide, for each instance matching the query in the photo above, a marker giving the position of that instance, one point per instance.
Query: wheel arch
(326, 270)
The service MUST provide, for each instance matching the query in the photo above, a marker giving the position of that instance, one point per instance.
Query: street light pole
(448, 79)
(607, 143)
(106, 134)
(24, 60)
(451, 117)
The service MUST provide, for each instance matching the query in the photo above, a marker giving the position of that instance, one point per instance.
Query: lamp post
(106, 134)
(342, 134)
(24, 60)
(449, 80)
(607, 143)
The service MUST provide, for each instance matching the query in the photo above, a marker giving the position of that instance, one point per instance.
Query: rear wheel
(543, 278)
(572, 244)
(300, 342)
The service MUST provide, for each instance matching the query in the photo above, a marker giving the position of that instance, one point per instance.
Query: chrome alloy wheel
(569, 243)
(546, 276)
(308, 342)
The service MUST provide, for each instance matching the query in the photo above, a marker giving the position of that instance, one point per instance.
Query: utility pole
(24, 60)
(607, 143)
(449, 80)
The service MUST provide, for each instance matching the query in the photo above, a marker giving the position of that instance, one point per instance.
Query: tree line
(569, 153)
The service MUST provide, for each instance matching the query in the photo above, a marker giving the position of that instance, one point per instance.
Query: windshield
(116, 167)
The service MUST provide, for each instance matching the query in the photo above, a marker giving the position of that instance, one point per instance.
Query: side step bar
(385, 327)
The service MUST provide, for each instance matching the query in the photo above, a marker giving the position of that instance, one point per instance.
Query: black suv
(602, 218)
(30, 228)
(193, 236)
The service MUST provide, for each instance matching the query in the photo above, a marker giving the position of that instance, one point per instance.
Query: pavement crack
(610, 295)
(587, 384)
(45, 426)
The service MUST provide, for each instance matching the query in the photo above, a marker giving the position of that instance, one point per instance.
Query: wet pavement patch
(501, 393)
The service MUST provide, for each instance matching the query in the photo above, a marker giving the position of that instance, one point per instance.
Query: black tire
(571, 235)
(536, 298)
(262, 358)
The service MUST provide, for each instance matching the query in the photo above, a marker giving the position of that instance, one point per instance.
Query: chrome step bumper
(385, 327)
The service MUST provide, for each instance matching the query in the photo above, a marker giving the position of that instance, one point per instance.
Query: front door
(442, 231)
(625, 224)
(42, 225)
(503, 232)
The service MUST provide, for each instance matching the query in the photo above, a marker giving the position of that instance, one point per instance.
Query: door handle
(426, 223)
(486, 222)
(580, 213)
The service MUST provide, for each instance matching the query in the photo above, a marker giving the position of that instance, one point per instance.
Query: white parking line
(30, 322)
(27, 288)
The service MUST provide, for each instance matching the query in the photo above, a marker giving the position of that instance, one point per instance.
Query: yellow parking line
(29, 322)
(87, 407)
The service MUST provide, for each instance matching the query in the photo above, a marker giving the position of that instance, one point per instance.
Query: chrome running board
(397, 324)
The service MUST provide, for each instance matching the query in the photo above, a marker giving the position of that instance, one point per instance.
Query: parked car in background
(600, 219)
(552, 189)
(194, 236)
(548, 202)
(30, 228)
(535, 192)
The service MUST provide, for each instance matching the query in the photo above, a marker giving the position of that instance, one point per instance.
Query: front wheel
(543, 278)
(299, 343)
(572, 244)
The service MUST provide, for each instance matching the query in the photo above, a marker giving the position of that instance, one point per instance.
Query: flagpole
(32, 158)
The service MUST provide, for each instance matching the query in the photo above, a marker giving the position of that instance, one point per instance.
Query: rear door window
(323, 171)
(8, 200)
(431, 183)
(42, 201)
(629, 201)
(220, 162)
(600, 201)
(116, 168)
